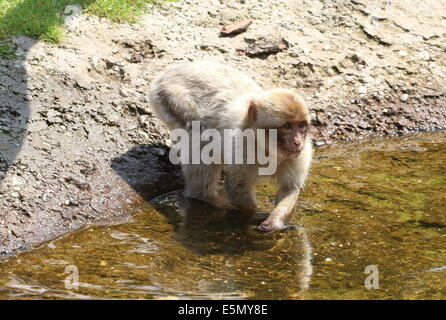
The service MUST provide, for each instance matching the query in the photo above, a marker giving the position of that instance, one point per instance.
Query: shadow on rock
(147, 169)
(14, 107)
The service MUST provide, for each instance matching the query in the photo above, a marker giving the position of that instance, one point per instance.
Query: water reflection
(176, 247)
(245, 256)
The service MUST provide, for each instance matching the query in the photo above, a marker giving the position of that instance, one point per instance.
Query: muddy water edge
(379, 202)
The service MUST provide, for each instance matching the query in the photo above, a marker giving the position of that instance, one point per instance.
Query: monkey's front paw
(271, 226)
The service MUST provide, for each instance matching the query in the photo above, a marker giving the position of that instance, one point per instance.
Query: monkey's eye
(303, 125)
(287, 125)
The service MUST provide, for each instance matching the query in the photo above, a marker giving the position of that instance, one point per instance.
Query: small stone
(403, 53)
(44, 197)
(84, 84)
(142, 119)
(15, 195)
(313, 116)
(15, 181)
(328, 259)
(124, 93)
(131, 126)
(404, 97)
(143, 135)
(362, 90)
(326, 47)
(97, 64)
(236, 28)
(425, 56)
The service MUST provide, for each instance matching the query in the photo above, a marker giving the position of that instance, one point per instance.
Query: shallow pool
(379, 204)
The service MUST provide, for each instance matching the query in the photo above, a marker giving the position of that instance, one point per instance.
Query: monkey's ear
(252, 111)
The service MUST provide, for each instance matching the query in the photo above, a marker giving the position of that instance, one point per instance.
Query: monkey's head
(284, 110)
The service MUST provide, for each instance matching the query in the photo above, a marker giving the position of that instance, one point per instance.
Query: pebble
(368, 79)
(403, 53)
(124, 93)
(84, 84)
(15, 195)
(96, 64)
(143, 119)
(362, 90)
(404, 97)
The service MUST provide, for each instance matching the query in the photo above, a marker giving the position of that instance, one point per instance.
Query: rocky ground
(79, 145)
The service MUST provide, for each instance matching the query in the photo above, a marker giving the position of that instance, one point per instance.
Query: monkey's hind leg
(240, 183)
(201, 180)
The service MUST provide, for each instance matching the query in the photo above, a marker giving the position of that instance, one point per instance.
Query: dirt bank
(78, 143)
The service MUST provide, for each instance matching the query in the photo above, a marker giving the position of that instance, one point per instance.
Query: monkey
(222, 97)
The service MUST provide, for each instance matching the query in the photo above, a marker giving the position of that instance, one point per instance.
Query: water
(380, 202)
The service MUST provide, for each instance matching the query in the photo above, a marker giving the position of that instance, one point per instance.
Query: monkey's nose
(296, 143)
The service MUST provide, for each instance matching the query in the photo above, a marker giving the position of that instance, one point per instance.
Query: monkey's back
(199, 90)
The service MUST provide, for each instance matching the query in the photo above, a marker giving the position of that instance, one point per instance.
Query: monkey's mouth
(296, 153)
(291, 152)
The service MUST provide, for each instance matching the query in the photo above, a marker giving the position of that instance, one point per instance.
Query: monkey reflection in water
(220, 98)
(224, 242)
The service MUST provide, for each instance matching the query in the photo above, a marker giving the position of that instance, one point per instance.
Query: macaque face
(292, 136)
(285, 111)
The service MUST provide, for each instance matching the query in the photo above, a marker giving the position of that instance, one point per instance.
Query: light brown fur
(221, 97)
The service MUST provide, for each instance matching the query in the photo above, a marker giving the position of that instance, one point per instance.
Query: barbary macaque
(221, 97)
